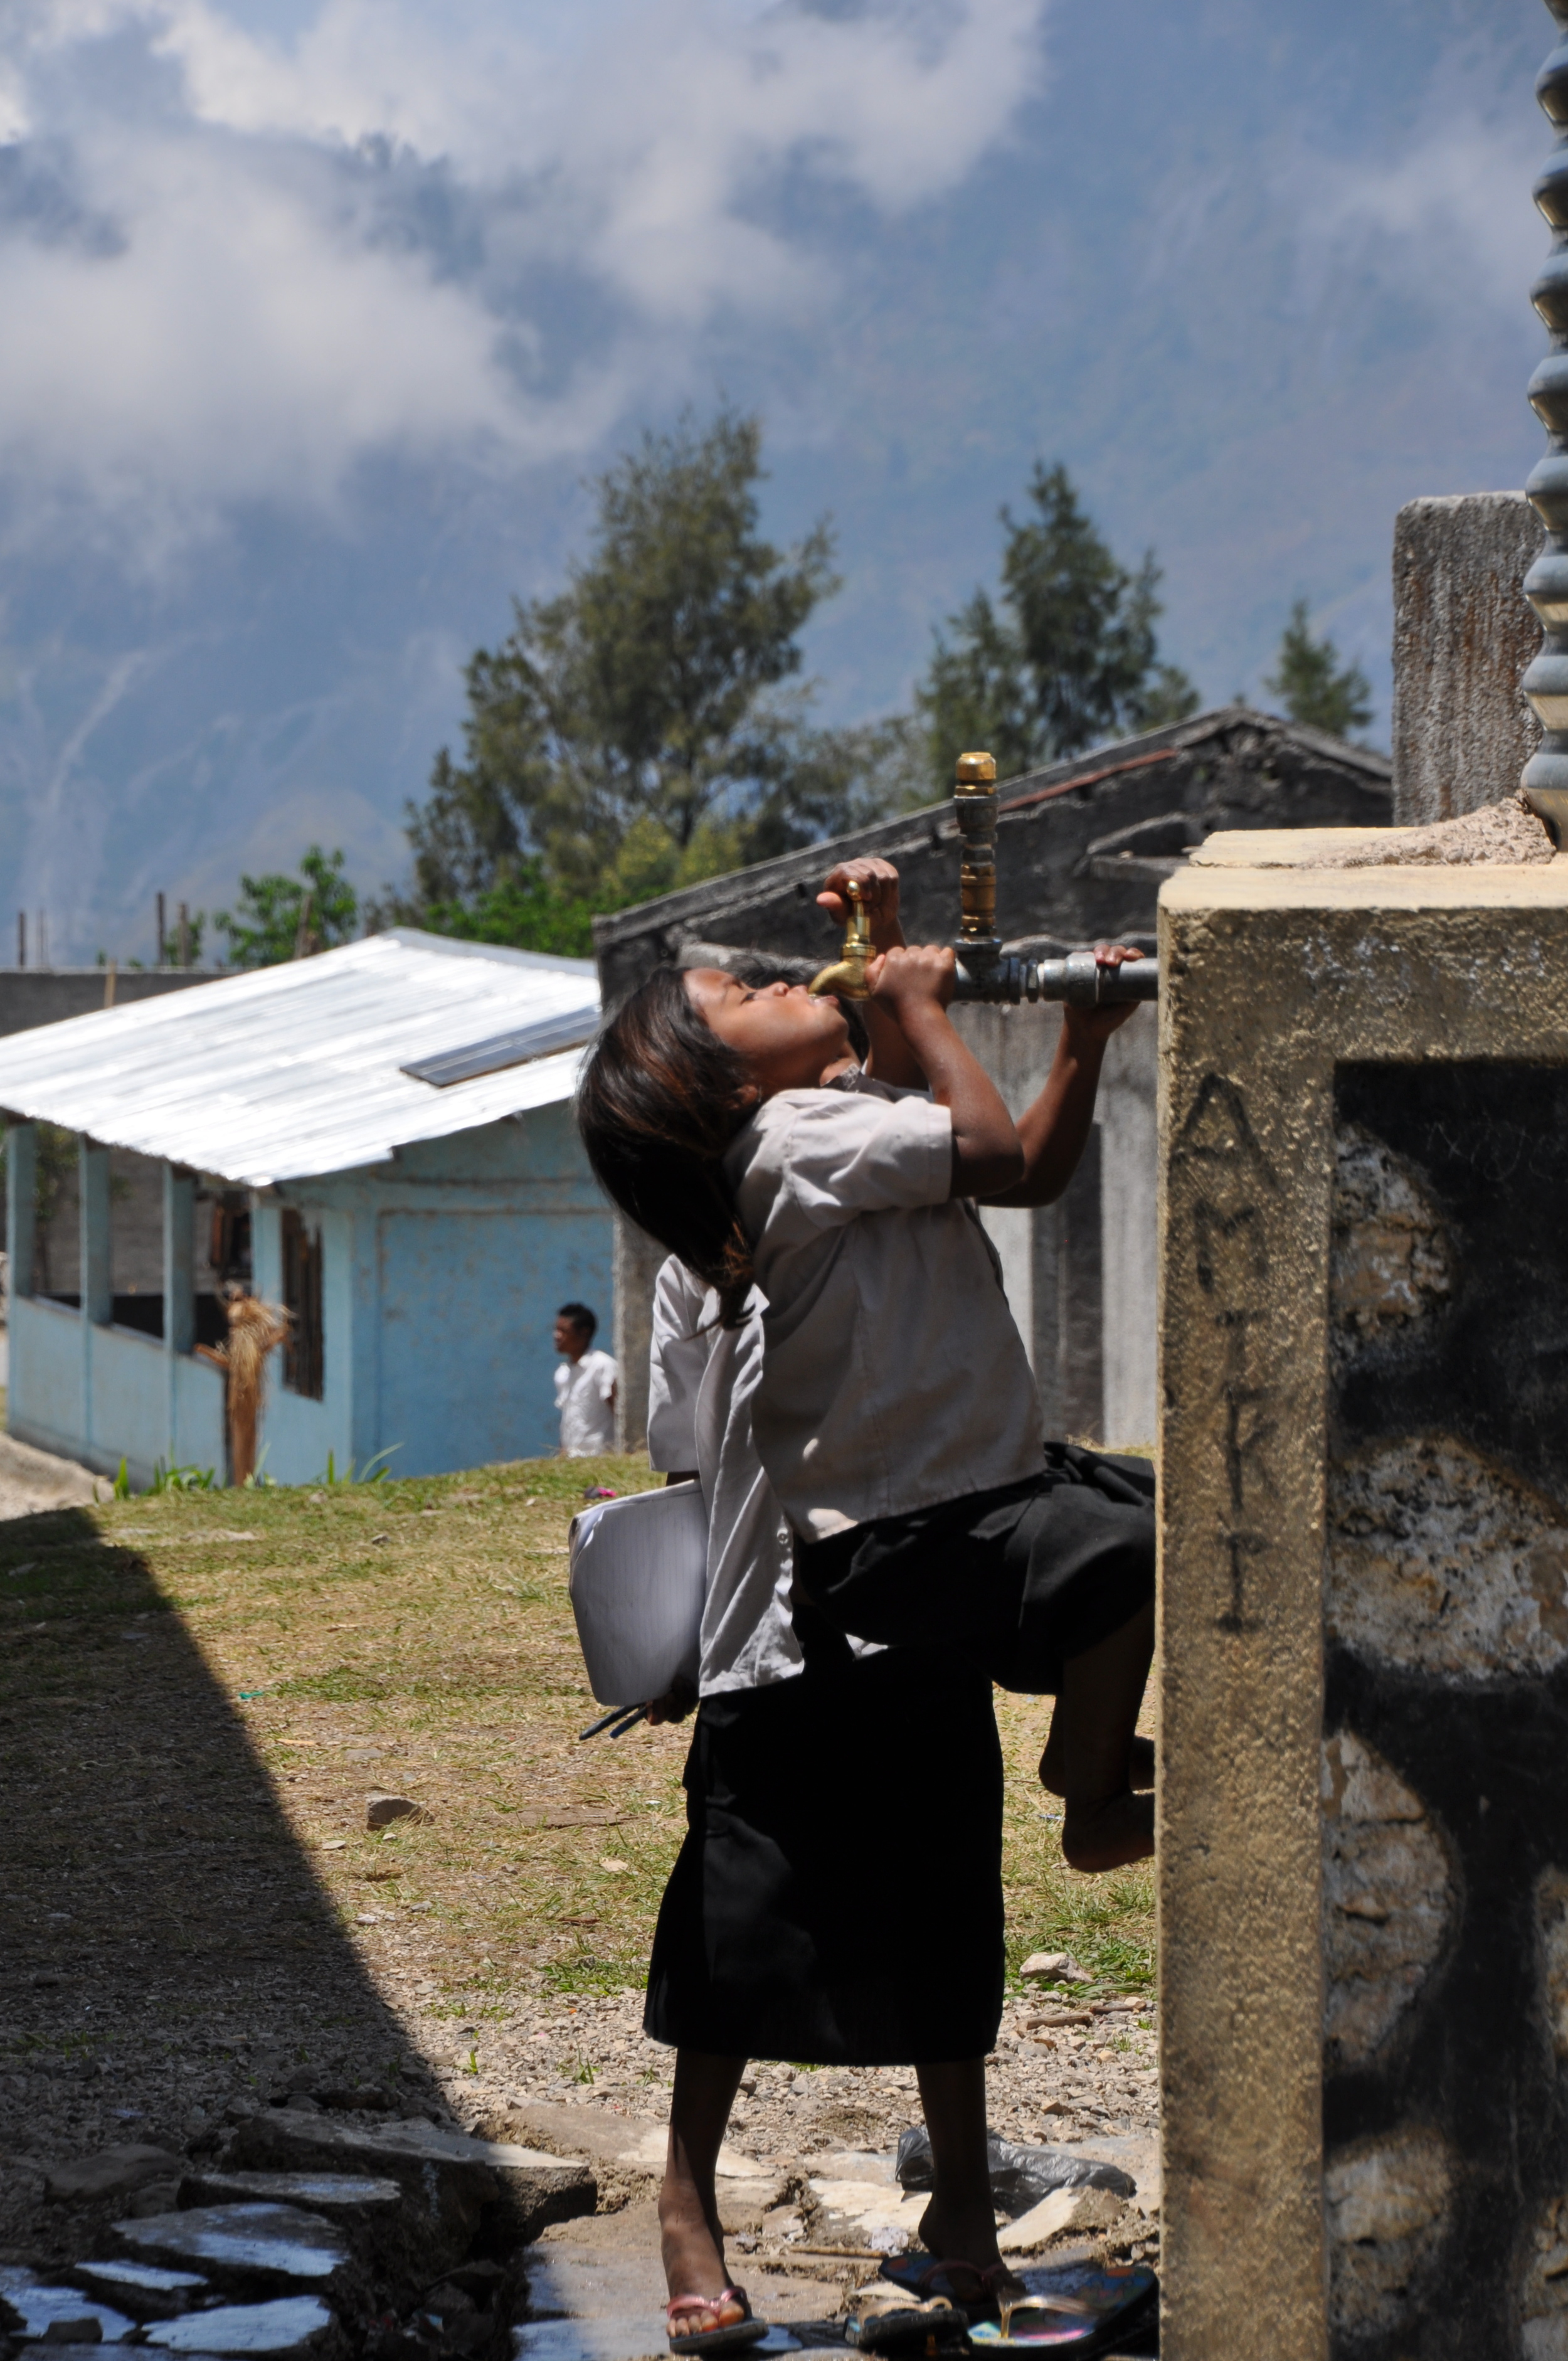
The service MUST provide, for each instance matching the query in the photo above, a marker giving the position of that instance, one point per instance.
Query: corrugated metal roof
(291, 1070)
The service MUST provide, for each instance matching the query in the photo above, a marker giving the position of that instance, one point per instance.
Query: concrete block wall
(1363, 1649)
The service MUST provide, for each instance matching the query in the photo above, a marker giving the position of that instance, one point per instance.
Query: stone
(1064, 2210)
(83, 2331)
(1543, 2292)
(380, 1811)
(1387, 2206)
(1387, 1898)
(290, 2325)
(1055, 1968)
(29, 2306)
(1389, 1260)
(1552, 1933)
(1462, 636)
(449, 2180)
(113, 2172)
(1441, 1562)
(348, 2194)
(252, 2247)
(144, 2289)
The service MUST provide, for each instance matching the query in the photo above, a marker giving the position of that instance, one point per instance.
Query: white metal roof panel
(288, 1071)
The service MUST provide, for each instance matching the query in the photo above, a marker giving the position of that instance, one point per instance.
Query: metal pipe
(985, 970)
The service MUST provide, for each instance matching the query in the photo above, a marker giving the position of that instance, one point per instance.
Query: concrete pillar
(21, 1218)
(637, 1258)
(179, 1259)
(1462, 728)
(1363, 1803)
(98, 1274)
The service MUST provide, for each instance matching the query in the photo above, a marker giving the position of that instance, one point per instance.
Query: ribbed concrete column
(1546, 584)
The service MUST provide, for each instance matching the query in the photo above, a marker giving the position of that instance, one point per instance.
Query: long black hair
(661, 1099)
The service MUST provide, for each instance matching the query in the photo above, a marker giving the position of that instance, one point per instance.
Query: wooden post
(162, 934)
(21, 939)
(21, 1203)
(98, 1276)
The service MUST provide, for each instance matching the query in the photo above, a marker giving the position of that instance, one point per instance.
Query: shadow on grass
(165, 1943)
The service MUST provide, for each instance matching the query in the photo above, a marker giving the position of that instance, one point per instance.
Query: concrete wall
(1462, 636)
(1363, 1805)
(45, 996)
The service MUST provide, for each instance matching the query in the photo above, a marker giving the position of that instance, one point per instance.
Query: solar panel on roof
(501, 1049)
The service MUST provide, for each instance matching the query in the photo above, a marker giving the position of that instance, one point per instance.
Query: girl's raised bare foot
(1140, 1764)
(1108, 1835)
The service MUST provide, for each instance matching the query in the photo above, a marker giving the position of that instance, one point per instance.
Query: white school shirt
(894, 1376)
(583, 1390)
(702, 1381)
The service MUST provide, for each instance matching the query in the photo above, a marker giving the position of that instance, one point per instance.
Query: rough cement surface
(1504, 831)
(1387, 2209)
(1462, 636)
(1277, 977)
(32, 1480)
(1387, 1897)
(1439, 1560)
(1391, 1261)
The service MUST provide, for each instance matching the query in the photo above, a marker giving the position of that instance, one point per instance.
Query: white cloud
(1445, 215)
(232, 269)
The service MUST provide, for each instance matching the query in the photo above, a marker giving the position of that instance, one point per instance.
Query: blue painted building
(379, 1140)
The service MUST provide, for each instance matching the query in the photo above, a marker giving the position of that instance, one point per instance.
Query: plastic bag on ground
(1020, 2177)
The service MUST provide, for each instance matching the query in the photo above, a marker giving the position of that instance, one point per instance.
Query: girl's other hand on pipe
(913, 976)
(1092, 1027)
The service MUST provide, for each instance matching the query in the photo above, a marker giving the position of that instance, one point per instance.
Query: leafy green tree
(645, 728)
(1313, 685)
(281, 918)
(1068, 656)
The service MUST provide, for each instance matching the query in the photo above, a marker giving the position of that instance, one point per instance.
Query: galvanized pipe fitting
(985, 970)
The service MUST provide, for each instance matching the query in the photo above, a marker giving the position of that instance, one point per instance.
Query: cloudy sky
(318, 312)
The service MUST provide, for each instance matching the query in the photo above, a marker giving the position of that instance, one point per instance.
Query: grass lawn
(413, 1637)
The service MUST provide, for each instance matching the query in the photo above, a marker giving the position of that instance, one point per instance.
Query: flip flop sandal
(1077, 2308)
(729, 2338)
(884, 2319)
(974, 2289)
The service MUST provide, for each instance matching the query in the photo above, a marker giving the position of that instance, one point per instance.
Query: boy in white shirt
(584, 1386)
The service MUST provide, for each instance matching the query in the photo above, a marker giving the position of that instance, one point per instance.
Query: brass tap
(847, 976)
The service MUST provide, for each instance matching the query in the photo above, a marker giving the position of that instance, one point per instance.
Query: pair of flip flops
(731, 2337)
(1077, 2308)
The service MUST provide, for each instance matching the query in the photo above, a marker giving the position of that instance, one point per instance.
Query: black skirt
(1015, 1581)
(838, 1900)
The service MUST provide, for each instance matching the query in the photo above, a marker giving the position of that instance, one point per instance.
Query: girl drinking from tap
(897, 1417)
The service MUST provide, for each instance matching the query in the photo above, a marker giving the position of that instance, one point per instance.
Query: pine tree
(1069, 657)
(1312, 684)
(644, 727)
